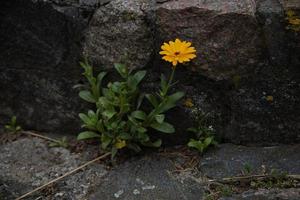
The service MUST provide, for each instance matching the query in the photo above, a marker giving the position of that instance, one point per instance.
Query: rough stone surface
(139, 178)
(263, 194)
(38, 65)
(28, 163)
(225, 33)
(118, 32)
(230, 160)
(246, 74)
(271, 16)
(147, 178)
(262, 108)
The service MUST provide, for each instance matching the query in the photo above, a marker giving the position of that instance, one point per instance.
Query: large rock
(263, 108)
(246, 74)
(146, 178)
(40, 164)
(119, 32)
(40, 49)
(171, 174)
(226, 34)
(231, 160)
(270, 14)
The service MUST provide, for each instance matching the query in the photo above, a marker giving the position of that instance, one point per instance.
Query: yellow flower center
(177, 53)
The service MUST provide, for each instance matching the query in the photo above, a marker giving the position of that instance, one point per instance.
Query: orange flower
(178, 52)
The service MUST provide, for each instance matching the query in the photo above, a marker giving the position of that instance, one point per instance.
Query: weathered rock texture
(225, 33)
(119, 32)
(38, 164)
(246, 73)
(40, 50)
(164, 176)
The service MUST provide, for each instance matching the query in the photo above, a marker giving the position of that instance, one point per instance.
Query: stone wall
(246, 73)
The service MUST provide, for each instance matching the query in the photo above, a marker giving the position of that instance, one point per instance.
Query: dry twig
(63, 176)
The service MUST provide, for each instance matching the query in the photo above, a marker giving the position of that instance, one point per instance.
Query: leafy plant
(118, 120)
(204, 134)
(13, 127)
(247, 169)
(60, 143)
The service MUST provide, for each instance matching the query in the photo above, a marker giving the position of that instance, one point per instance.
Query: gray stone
(39, 65)
(229, 160)
(271, 15)
(225, 34)
(150, 177)
(264, 194)
(147, 178)
(119, 31)
(28, 163)
(262, 108)
(41, 44)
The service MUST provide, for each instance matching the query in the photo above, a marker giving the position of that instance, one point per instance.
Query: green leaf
(151, 98)
(134, 147)
(84, 118)
(100, 126)
(91, 114)
(125, 136)
(155, 144)
(14, 120)
(87, 135)
(78, 86)
(143, 137)
(87, 96)
(196, 144)
(194, 130)
(121, 69)
(100, 77)
(163, 82)
(176, 96)
(171, 101)
(116, 87)
(134, 80)
(160, 118)
(163, 127)
(138, 114)
(141, 129)
(114, 152)
(99, 81)
(208, 141)
(139, 76)
(140, 100)
(109, 113)
(105, 141)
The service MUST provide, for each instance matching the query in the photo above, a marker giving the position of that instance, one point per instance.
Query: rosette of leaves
(13, 126)
(204, 135)
(118, 120)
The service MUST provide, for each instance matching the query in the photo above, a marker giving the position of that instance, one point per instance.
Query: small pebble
(148, 187)
(136, 192)
(119, 193)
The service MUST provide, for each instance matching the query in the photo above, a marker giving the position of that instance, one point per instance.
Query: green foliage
(118, 120)
(204, 135)
(60, 143)
(13, 127)
(247, 169)
(276, 179)
(218, 192)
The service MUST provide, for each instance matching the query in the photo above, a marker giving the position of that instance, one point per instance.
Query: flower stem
(170, 81)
